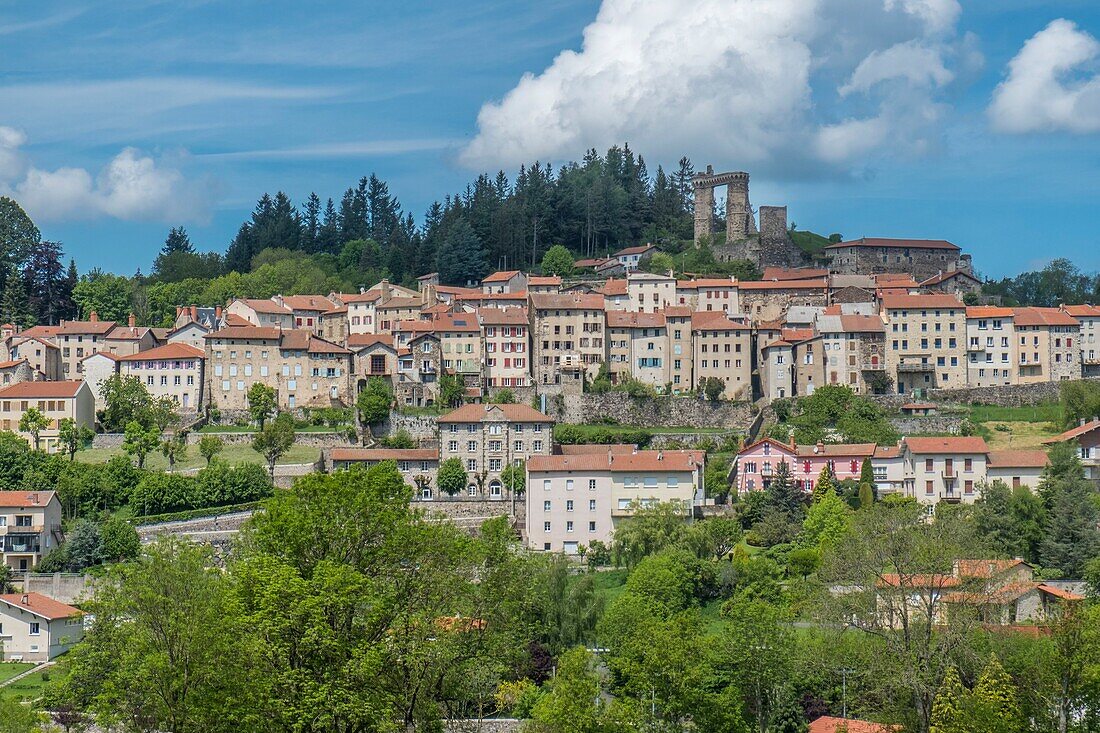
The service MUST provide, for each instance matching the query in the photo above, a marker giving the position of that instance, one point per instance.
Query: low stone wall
(312, 440)
(500, 725)
(673, 441)
(679, 411)
(468, 508)
(927, 425)
(420, 427)
(1013, 395)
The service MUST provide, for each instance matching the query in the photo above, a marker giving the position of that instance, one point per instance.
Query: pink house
(756, 464)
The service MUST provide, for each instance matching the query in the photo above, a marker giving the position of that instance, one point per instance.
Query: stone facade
(920, 258)
(621, 408)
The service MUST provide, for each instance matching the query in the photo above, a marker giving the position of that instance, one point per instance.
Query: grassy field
(810, 243)
(30, 687)
(1051, 412)
(654, 429)
(1017, 427)
(11, 669)
(231, 453)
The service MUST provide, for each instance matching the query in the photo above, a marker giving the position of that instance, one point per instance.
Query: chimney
(131, 321)
(179, 310)
(25, 600)
(790, 436)
(1081, 422)
(660, 455)
(820, 447)
(93, 317)
(194, 313)
(217, 313)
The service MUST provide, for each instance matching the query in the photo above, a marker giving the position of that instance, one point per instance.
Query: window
(591, 505)
(591, 526)
(471, 464)
(36, 629)
(546, 505)
(568, 526)
(569, 484)
(591, 484)
(546, 526)
(569, 505)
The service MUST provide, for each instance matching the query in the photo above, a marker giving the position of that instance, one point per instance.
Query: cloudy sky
(972, 120)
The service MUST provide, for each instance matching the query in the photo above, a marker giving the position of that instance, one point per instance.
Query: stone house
(722, 349)
(853, 350)
(567, 332)
(636, 347)
(419, 365)
(55, 400)
(374, 355)
(1046, 339)
(925, 335)
(709, 294)
(615, 295)
(36, 628)
(334, 325)
(1004, 592)
(414, 464)
(954, 282)
(78, 339)
(1089, 318)
(504, 281)
(507, 346)
(30, 526)
(306, 310)
(129, 339)
(680, 356)
(261, 312)
(779, 364)
(577, 498)
(13, 372)
(922, 258)
(43, 356)
(487, 438)
(175, 371)
(97, 368)
(990, 346)
(769, 300)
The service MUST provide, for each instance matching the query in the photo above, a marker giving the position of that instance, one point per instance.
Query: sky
(973, 121)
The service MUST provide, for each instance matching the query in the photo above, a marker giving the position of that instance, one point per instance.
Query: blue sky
(866, 117)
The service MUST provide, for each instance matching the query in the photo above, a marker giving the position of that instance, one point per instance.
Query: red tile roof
(899, 301)
(793, 273)
(25, 499)
(985, 568)
(1073, 433)
(1082, 311)
(862, 324)
(826, 724)
(951, 444)
(262, 305)
(567, 301)
(363, 340)
(308, 302)
(856, 450)
(715, 321)
(10, 364)
(47, 390)
(1018, 459)
(39, 332)
(614, 287)
(232, 319)
(988, 311)
(945, 276)
(1044, 317)
(40, 605)
(641, 249)
(512, 413)
(543, 280)
(263, 333)
(85, 327)
(465, 322)
(502, 316)
(889, 242)
(643, 460)
(167, 352)
(500, 277)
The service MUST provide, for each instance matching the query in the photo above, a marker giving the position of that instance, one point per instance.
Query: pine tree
(1072, 538)
(328, 238)
(867, 473)
(66, 305)
(866, 495)
(311, 224)
(14, 306)
(824, 484)
(44, 282)
(462, 256)
(948, 709)
(177, 241)
(994, 704)
(783, 495)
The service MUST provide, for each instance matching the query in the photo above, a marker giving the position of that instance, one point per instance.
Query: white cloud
(132, 186)
(752, 83)
(1041, 92)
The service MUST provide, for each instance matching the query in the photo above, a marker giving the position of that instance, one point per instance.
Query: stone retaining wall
(1013, 395)
(420, 427)
(926, 425)
(312, 440)
(674, 441)
(623, 409)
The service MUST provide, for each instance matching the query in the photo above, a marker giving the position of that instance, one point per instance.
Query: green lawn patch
(13, 669)
(231, 453)
(810, 243)
(237, 429)
(610, 583)
(31, 686)
(1050, 412)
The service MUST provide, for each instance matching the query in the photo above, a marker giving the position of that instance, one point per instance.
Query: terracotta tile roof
(264, 333)
(543, 280)
(633, 319)
(463, 322)
(889, 242)
(1082, 311)
(945, 276)
(413, 326)
(1044, 317)
(19, 341)
(641, 249)
(950, 444)
(85, 327)
(815, 284)
(921, 301)
(887, 451)
(593, 262)
(168, 351)
(262, 305)
(363, 340)
(25, 499)
(677, 311)
(399, 303)
(1060, 593)
(985, 568)
(617, 462)
(454, 290)
(715, 321)
(501, 277)
(301, 340)
(614, 287)
(919, 406)
(47, 390)
(336, 311)
(308, 302)
(502, 316)
(40, 605)
(10, 364)
(826, 724)
(384, 454)
(862, 324)
(40, 332)
(856, 450)
(232, 319)
(1073, 433)
(567, 301)
(368, 297)
(988, 311)
(512, 413)
(481, 297)
(793, 273)
(125, 333)
(785, 447)
(919, 580)
(102, 354)
(1017, 459)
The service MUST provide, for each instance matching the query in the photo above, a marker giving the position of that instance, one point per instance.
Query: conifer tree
(994, 704)
(824, 484)
(783, 495)
(866, 495)
(948, 710)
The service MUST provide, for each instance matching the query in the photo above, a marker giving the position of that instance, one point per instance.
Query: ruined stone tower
(740, 223)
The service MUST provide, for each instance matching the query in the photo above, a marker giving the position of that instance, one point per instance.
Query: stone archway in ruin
(740, 222)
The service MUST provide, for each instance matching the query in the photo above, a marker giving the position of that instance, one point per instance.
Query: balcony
(24, 529)
(951, 497)
(926, 366)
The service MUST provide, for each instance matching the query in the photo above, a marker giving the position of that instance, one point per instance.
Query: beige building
(261, 312)
(504, 281)
(129, 339)
(304, 370)
(507, 346)
(567, 331)
(36, 628)
(1047, 344)
(78, 339)
(97, 369)
(709, 294)
(925, 335)
(648, 292)
(637, 347)
(722, 349)
(990, 346)
(306, 310)
(853, 350)
(577, 498)
(944, 469)
(418, 466)
(487, 438)
(42, 355)
(30, 526)
(175, 371)
(680, 357)
(55, 400)
(1089, 318)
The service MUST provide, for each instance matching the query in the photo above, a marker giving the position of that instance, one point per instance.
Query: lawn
(30, 687)
(610, 583)
(654, 429)
(1017, 427)
(11, 669)
(1050, 412)
(231, 453)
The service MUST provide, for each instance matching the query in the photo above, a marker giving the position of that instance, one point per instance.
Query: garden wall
(927, 425)
(623, 409)
(420, 427)
(1013, 395)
